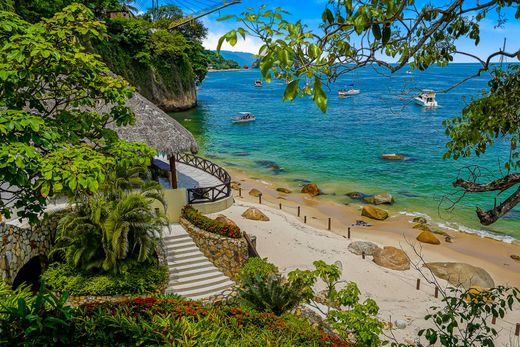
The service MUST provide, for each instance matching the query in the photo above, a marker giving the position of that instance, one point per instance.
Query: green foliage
(138, 279)
(9, 298)
(35, 10)
(59, 145)
(256, 266)
(463, 319)
(210, 225)
(218, 62)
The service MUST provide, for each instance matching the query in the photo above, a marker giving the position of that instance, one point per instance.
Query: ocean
(293, 142)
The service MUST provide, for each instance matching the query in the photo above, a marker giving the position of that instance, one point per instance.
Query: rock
(255, 192)
(284, 190)
(379, 199)
(423, 227)
(275, 167)
(448, 239)
(355, 195)
(428, 237)
(255, 214)
(461, 274)
(420, 220)
(392, 258)
(515, 257)
(235, 185)
(311, 189)
(358, 247)
(374, 212)
(225, 220)
(400, 324)
(393, 156)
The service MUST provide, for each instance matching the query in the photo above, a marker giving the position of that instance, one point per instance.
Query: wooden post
(363, 255)
(240, 192)
(418, 285)
(436, 291)
(329, 223)
(173, 173)
(494, 320)
(348, 233)
(280, 205)
(517, 331)
(260, 198)
(305, 219)
(298, 211)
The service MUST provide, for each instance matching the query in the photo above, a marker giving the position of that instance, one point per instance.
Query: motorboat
(409, 72)
(350, 91)
(244, 117)
(258, 83)
(426, 98)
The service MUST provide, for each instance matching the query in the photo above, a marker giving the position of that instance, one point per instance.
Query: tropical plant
(9, 297)
(210, 225)
(256, 266)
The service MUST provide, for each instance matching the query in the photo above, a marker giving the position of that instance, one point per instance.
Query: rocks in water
(428, 237)
(358, 247)
(461, 274)
(420, 220)
(393, 156)
(515, 257)
(392, 258)
(284, 190)
(235, 185)
(311, 189)
(374, 212)
(355, 195)
(225, 220)
(255, 192)
(253, 213)
(379, 199)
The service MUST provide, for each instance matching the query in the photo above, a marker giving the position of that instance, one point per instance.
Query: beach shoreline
(492, 255)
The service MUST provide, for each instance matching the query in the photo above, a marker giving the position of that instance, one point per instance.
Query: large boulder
(393, 156)
(461, 274)
(392, 258)
(284, 190)
(311, 189)
(379, 199)
(428, 237)
(255, 214)
(360, 247)
(225, 220)
(374, 212)
(255, 192)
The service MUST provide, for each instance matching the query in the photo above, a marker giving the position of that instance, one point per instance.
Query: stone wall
(18, 245)
(227, 254)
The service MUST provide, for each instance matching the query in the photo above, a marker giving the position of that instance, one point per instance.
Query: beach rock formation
(420, 220)
(225, 220)
(255, 214)
(374, 212)
(311, 189)
(515, 257)
(423, 227)
(235, 185)
(284, 190)
(255, 192)
(358, 247)
(379, 199)
(393, 156)
(392, 258)
(428, 237)
(461, 274)
(355, 195)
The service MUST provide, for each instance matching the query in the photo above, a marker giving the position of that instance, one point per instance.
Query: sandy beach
(290, 243)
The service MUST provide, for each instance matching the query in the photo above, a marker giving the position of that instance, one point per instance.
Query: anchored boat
(426, 98)
(350, 91)
(244, 117)
(258, 83)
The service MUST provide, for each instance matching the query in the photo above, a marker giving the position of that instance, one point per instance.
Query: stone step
(194, 272)
(171, 251)
(176, 257)
(197, 259)
(198, 284)
(193, 277)
(179, 244)
(182, 268)
(207, 290)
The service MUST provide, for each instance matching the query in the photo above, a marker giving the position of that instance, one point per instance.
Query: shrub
(256, 266)
(210, 225)
(9, 297)
(139, 279)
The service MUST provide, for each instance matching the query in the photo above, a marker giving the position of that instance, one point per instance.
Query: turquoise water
(340, 150)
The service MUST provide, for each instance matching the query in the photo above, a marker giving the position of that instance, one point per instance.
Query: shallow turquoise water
(341, 150)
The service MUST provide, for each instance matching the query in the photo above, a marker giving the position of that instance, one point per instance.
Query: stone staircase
(192, 275)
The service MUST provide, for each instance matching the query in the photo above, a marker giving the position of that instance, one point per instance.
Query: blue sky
(309, 11)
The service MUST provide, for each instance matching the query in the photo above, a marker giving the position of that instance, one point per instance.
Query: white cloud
(217, 29)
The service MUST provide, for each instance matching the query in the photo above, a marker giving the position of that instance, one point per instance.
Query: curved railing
(206, 194)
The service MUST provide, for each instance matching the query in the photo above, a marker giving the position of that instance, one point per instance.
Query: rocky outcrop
(428, 237)
(379, 199)
(360, 247)
(311, 189)
(392, 258)
(255, 214)
(461, 274)
(374, 212)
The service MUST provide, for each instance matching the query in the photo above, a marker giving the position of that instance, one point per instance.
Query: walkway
(187, 176)
(192, 275)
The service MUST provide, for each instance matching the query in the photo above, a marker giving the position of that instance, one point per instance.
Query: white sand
(290, 244)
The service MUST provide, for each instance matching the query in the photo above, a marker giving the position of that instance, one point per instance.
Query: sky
(309, 11)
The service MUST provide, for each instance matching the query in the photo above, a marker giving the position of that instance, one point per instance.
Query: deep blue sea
(341, 149)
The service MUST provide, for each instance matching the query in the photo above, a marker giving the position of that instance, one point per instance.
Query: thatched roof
(156, 129)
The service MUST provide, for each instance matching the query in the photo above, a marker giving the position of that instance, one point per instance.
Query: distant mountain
(242, 58)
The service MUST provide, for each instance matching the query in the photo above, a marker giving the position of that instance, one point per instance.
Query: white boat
(244, 117)
(350, 91)
(409, 72)
(426, 98)
(258, 83)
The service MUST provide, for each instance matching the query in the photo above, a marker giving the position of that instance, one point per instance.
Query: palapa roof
(156, 128)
